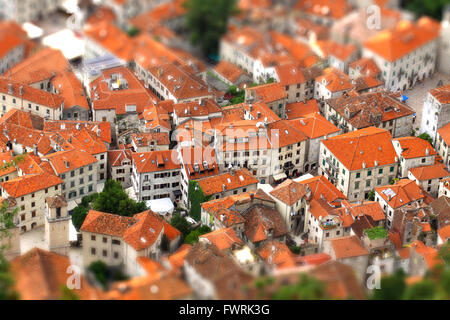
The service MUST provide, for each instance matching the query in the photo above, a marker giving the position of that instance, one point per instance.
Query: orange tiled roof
(43, 65)
(430, 255)
(100, 129)
(444, 132)
(368, 109)
(289, 74)
(348, 247)
(301, 109)
(65, 161)
(434, 171)
(278, 254)
(370, 147)
(115, 157)
(444, 233)
(110, 37)
(30, 183)
(442, 94)
(139, 231)
(31, 94)
(158, 160)
(229, 71)
(144, 138)
(260, 220)
(40, 275)
(214, 184)
(413, 147)
(268, 92)
(319, 186)
(180, 83)
(334, 9)
(405, 37)
(403, 192)
(314, 125)
(223, 238)
(289, 192)
(70, 89)
(171, 232)
(135, 94)
(335, 80)
(366, 66)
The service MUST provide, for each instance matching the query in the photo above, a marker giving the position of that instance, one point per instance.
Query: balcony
(330, 162)
(328, 225)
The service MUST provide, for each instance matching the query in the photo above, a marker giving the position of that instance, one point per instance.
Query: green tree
(432, 8)
(113, 199)
(207, 22)
(180, 223)
(67, 294)
(371, 195)
(7, 291)
(196, 198)
(306, 288)
(425, 136)
(100, 271)
(392, 287)
(78, 216)
(423, 290)
(133, 31)
(193, 236)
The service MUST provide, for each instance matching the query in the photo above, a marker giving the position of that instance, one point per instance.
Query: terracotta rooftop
(369, 147)
(413, 147)
(289, 192)
(214, 184)
(158, 160)
(261, 222)
(348, 247)
(31, 94)
(30, 183)
(40, 275)
(444, 132)
(392, 44)
(435, 171)
(401, 193)
(223, 239)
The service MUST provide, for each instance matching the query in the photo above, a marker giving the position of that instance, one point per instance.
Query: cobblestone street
(418, 94)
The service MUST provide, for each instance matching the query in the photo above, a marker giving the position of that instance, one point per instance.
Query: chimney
(427, 152)
(66, 163)
(10, 88)
(258, 115)
(35, 149)
(21, 90)
(99, 131)
(250, 107)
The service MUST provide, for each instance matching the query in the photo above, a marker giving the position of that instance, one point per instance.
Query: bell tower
(57, 223)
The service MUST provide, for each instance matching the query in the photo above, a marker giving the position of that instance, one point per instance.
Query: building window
(369, 173)
(93, 238)
(358, 175)
(104, 253)
(105, 240)
(93, 251)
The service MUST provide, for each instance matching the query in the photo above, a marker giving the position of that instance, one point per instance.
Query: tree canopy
(113, 199)
(180, 223)
(432, 8)
(7, 291)
(193, 236)
(207, 21)
(196, 198)
(306, 288)
(425, 136)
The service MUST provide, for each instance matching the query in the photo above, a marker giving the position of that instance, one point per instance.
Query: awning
(161, 206)
(280, 176)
